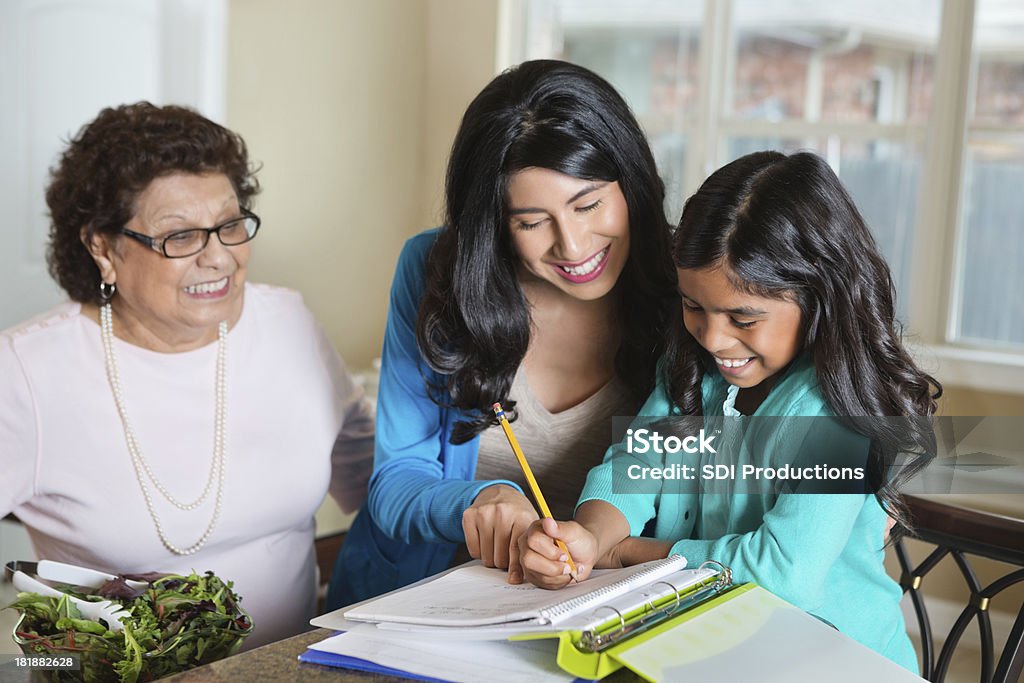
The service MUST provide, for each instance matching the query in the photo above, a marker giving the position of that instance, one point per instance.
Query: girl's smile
(751, 338)
(733, 367)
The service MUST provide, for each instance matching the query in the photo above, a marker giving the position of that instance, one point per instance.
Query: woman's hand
(544, 563)
(493, 524)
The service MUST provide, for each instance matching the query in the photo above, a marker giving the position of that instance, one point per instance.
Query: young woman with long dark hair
(548, 288)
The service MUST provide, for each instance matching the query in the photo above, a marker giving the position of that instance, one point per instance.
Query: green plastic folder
(598, 652)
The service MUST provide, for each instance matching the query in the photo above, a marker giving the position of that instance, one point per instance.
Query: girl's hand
(544, 563)
(635, 550)
(493, 524)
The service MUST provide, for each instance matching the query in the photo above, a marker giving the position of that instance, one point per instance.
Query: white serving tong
(79, 576)
(104, 610)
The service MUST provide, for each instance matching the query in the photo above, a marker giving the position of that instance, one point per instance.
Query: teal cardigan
(820, 552)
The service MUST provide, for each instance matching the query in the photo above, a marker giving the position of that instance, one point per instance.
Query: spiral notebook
(475, 596)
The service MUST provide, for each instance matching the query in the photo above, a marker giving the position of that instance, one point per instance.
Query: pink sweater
(66, 472)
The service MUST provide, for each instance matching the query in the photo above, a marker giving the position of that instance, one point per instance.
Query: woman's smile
(210, 290)
(585, 271)
(176, 304)
(572, 233)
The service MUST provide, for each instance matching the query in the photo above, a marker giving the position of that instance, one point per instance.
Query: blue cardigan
(421, 484)
(821, 552)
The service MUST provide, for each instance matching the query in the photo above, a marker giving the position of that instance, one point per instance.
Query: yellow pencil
(528, 473)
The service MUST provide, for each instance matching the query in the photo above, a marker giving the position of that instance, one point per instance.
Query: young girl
(548, 289)
(788, 311)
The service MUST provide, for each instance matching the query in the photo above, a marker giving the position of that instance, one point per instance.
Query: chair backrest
(326, 549)
(958, 532)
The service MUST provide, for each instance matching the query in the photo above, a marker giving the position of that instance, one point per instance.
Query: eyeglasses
(192, 241)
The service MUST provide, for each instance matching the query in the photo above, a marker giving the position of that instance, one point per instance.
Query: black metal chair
(958, 532)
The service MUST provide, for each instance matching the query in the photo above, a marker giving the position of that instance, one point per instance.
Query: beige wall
(962, 401)
(329, 97)
(350, 106)
(460, 59)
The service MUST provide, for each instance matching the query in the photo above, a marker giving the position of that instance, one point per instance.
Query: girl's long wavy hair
(474, 321)
(784, 227)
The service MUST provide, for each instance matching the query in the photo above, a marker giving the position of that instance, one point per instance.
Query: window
(650, 51)
(990, 300)
(917, 104)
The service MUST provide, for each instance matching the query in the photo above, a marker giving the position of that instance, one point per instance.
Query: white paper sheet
(653, 593)
(478, 596)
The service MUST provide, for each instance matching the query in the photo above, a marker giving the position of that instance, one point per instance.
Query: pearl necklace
(142, 469)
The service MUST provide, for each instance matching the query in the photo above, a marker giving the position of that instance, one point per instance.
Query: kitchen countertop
(276, 662)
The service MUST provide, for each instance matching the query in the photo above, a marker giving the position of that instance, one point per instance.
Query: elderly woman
(172, 416)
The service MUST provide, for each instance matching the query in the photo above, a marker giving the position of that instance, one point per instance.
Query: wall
(962, 401)
(460, 59)
(329, 96)
(351, 107)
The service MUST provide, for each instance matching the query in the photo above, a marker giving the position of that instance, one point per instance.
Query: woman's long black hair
(784, 227)
(474, 321)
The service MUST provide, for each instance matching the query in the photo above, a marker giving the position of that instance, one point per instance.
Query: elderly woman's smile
(175, 304)
(209, 290)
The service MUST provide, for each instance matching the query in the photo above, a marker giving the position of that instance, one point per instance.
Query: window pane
(998, 45)
(870, 61)
(991, 304)
(883, 178)
(880, 176)
(648, 50)
(991, 308)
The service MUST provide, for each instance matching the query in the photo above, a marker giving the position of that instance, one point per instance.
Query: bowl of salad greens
(177, 622)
